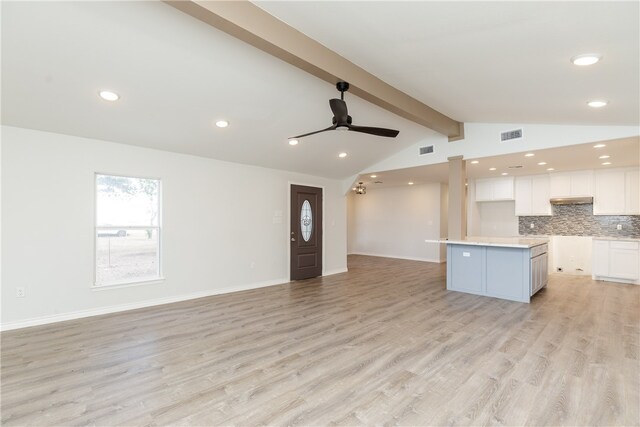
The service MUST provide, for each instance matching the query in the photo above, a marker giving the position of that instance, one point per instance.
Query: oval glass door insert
(306, 220)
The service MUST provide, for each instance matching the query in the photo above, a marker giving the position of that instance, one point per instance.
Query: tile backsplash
(578, 220)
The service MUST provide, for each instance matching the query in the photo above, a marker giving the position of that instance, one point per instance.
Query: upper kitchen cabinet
(494, 189)
(532, 195)
(617, 192)
(632, 192)
(571, 184)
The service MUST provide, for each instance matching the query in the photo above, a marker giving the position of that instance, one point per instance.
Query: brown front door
(306, 232)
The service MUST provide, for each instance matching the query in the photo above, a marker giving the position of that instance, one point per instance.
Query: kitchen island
(507, 268)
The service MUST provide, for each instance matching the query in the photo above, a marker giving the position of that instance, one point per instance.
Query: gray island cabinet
(507, 268)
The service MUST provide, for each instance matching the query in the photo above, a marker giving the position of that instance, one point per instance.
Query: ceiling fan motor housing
(349, 120)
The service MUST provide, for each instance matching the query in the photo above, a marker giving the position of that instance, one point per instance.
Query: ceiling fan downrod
(342, 88)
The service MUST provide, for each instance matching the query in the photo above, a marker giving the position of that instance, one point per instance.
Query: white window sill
(117, 285)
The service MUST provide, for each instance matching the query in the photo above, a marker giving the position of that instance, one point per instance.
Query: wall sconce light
(360, 189)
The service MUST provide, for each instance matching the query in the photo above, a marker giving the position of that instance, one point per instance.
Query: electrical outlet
(20, 292)
(619, 227)
(532, 226)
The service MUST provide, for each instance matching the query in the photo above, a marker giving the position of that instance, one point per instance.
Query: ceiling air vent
(510, 135)
(426, 150)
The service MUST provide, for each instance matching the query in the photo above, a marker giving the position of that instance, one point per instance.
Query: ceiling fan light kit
(343, 121)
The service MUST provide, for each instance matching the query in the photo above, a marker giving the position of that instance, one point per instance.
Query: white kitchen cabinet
(484, 190)
(494, 189)
(616, 261)
(623, 260)
(632, 192)
(617, 192)
(571, 184)
(532, 195)
(610, 192)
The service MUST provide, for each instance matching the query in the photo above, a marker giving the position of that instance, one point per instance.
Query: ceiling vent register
(426, 150)
(511, 135)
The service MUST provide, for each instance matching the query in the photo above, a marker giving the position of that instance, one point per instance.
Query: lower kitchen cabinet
(539, 272)
(616, 260)
(513, 269)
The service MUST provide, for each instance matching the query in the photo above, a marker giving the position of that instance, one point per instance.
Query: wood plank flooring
(384, 344)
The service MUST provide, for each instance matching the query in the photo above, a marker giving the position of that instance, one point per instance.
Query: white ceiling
(176, 77)
(623, 153)
(504, 61)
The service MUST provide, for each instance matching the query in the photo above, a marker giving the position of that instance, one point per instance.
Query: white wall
(490, 219)
(572, 254)
(394, 222)
(351, 222)
(483, 140)
(218, 218)
(497, 219)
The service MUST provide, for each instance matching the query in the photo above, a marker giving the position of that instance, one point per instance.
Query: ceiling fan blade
(313, 133)
(339, 108)
(391, 133)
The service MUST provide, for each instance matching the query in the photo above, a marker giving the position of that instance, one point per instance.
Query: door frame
(287, 228)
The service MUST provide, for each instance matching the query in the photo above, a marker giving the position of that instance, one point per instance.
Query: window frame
(141, 280)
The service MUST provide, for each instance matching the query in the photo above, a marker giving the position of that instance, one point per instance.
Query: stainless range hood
(572, 201)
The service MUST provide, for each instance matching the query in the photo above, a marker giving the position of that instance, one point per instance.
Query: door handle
(293, 239)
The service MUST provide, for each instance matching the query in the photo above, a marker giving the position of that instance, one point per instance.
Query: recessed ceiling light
(374, 176)
(293, 142)
(529, 155)
(606, 163)
(597, 103)
(599, 145)
(474, 162)
(342, 155)
(542, 163)
(107, 95)
(550, 169)
(606, 156)
(492, 169)
(222, 123)
(504, 173)
(586, 59)
(410, 183)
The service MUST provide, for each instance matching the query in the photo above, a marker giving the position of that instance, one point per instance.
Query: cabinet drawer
(537, 250)
(623, 245)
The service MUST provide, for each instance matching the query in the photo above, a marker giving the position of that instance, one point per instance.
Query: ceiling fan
(341, 119)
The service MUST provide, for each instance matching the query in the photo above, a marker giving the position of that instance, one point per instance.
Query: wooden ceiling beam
(251, 24)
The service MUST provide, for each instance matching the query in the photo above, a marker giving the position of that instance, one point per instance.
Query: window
(127, 230)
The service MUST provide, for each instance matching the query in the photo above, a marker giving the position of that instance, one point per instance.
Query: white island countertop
(506, 242)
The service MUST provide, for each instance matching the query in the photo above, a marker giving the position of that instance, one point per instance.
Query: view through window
(127, 229)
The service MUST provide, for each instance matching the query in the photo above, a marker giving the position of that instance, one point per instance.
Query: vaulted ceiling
(504, 62)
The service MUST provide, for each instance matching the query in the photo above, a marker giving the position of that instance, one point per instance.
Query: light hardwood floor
(384, 343)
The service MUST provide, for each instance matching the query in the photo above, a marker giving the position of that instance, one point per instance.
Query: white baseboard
(336, 271)
(43, 320)
(438, 261)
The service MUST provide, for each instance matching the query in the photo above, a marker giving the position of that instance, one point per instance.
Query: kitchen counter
(618, 239)
(505, 242)
(509, 268)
